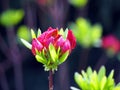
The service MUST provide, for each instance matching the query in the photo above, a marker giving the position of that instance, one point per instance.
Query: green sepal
(33, 33)
(26, 43)
(39, 32)
(40, 59)
(53, 53)
(61, 32)
(58, 51)
(63, 57)
(65, 33)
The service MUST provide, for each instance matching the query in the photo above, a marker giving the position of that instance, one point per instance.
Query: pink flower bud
(60, 42)
(36, 45)
(66, 46)
(71, 39)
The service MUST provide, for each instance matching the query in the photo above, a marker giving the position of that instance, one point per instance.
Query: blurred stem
(63, 76)
(101, 61)
(50, 80)
(15, 58)
(3, 80)
(83, 59)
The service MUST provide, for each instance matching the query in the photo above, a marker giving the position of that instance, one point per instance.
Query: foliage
(78, 3)
(11, 17)
(91, 80)
(24, 33)
(86, 34)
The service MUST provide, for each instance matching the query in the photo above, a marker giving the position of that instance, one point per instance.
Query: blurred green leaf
(11, 17)
(101, 73)
(91, 80)
(24, 33)
(89, 71)
(78, 3)
(103, 82)
(87, 35)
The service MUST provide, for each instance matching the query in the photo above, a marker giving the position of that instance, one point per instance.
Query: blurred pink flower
(110, 42)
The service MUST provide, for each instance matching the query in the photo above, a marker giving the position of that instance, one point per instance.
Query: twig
(50, 80)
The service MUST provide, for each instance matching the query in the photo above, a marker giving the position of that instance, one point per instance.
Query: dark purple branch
(50, 80)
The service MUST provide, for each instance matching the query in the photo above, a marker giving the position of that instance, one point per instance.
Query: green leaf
(103, 82)
(78, 79)
(96, 38)
(94, 81)
(33, 33)
(65, 33)
(111, 74)
(101, 72)
(116, 88)
(53, 53)
(24, 33)
(89, 71)
(118, 85)
(26, 43)
(40, 59)
(74, 88)
(63, 57)
(58, 51)
(11, 17)
(84, 74)
(61, 32)
(78, 3)
(38, 33)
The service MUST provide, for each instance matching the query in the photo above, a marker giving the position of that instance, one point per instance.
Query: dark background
(18, 68)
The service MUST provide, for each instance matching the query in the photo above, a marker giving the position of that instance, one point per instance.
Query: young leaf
(84, 74)
(38, 33)
(33, 33)
(65, 33)
(74, 88)
(61, 32)
(89, 71)
(63, 57)
(53, 53)
(101, 73)
(103, 82)
(111, 74)
(79, 80)
(40, 59)
(27, 44)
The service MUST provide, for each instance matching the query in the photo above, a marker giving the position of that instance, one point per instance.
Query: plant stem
(50, 80)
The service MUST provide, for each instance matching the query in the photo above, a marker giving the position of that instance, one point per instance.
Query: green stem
(50, 80)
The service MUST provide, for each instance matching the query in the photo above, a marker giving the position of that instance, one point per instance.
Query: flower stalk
(50, 80)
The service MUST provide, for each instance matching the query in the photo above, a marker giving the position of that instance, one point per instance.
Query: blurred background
(95, 23)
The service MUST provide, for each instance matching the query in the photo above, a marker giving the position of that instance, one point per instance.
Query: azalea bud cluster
(52, 47)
